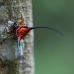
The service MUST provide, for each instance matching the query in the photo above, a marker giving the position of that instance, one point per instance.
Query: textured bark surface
(11, 10)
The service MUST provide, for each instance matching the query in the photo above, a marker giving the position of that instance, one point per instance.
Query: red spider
(19, 29)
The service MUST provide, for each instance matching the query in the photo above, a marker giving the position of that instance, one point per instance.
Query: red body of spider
(22, 32)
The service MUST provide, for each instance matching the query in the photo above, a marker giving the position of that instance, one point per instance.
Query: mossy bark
(11, 10)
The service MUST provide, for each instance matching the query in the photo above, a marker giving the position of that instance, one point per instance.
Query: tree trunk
(10, 11)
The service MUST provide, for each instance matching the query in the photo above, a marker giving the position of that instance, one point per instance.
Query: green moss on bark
(11, 66)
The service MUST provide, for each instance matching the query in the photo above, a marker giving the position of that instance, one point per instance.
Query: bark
(11, 10)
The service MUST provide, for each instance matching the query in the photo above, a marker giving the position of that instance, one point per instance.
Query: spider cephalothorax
(14, 26)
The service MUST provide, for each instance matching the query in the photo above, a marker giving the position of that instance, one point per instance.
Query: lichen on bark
(11, 10)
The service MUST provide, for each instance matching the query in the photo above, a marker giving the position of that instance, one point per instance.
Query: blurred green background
(54, 53)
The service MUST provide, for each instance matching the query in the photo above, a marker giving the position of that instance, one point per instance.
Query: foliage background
(54, 54)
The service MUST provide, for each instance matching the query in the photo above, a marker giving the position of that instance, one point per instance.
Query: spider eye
(15, 26)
